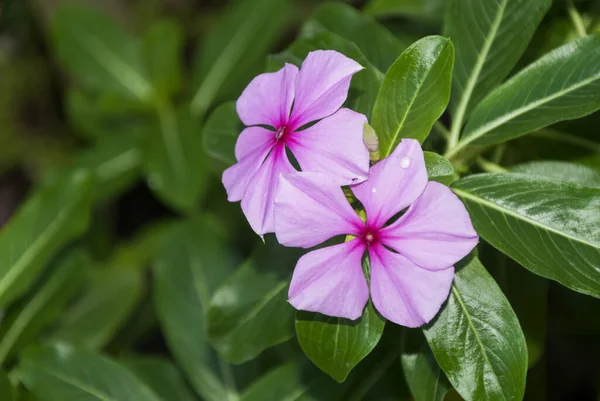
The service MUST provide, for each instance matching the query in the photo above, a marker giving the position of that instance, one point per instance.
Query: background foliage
(125, 275)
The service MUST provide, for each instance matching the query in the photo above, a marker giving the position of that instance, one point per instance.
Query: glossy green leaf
(365, 84)
(378, 44)
(414, 93)
(562, 85)
(162, 376)
(99, 53)
(221, 132)
(162, 52)
(173, 160)
(191, 265)
(424, 376)
(477, 340)
(233, 52)
(562, 171)
(64, 373)
(44, 305)
(51, 218)
(107, 302)
(489, 39)
(422, 9)
(337, 345)
(7, 392)
(236, 325)
(439, 169)
(550, 227)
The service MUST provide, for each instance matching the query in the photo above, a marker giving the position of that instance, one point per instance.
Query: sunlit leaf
(439, 169)
(562, 171)
(221, 132)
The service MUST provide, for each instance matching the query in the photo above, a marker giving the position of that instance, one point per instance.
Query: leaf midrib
(518, 216)
(470, 137)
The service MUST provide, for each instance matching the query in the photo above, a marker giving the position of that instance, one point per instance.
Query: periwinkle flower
(276, 107)
(411, 258)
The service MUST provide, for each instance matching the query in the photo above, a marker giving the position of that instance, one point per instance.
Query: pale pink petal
(267, 100)
(331, 281)
(310, 208)
(394, 183)
(257, 203)
(252, 139)
(436, 231)
(321, 86)
(334, 146)
(403, 292)
(236, 178)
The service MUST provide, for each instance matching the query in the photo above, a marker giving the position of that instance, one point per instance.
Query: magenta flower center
(370, 236)
(281, 133)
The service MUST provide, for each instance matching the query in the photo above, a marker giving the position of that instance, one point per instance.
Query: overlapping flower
(414, 231)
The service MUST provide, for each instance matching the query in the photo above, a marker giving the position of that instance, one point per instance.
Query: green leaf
(562, 171)
(563, 85)
(439, 169)
(233, 52)
(292, 381)
(420, 9)
(426, 380)
(549, 227)
(46, 302)
(109, 299)
(192, 264)
(51, 218)
(172, 158)
(378, 44)
(365, 84)
(414, 93)
(162, 376)
(63, 373)
(221, 131)
(489, 39)
(337, 345)
(7, 392)
(162, 51)
(99, 53)
(236, 325)
(477, 340)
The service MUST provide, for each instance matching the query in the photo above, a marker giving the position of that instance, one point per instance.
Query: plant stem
(576, 19)
(441, 128)
(490, 167)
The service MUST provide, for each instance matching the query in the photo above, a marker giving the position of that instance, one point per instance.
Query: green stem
(576, 19)
(490, 167)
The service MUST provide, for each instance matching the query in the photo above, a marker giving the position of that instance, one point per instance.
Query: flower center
(369, 236)
(280, 133)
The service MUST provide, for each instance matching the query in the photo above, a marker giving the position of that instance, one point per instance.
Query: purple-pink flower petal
(257, 202)
(236, 178)
(310, 208)
(436, 231)
(331, 281)
(268, 99)
(252, 139)
(334, 146)
(321, 86)
(394, 183)
(403, 292)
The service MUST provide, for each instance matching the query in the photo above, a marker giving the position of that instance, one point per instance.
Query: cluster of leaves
(75, 319)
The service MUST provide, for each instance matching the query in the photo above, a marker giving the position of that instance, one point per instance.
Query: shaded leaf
(562, 171)
(562, 85)
(232, 53)
(45, 303)
(426, 380)
(420, 9)
(162, 376)
(7, 392)
(439, 169)
(63, 373)
(549, 227)
(172, 158)
(236, 325)
(51, 218)
(191, 265)
(221, 131)
(414, 93)
(477, 340)
(162, 52)
(99, 53)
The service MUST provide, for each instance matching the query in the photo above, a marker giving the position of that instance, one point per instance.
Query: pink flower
(333, 145)
(411, 258)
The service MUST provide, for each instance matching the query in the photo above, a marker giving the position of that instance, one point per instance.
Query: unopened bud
(370, 139)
